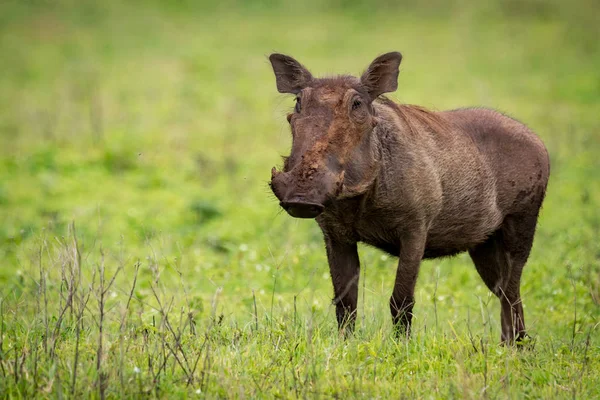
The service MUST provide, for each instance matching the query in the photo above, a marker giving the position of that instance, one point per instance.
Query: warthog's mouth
(301, 209)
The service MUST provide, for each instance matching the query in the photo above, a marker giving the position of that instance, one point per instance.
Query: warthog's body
(414, 183)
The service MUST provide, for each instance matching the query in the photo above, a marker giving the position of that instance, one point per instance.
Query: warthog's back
(462, 174)
(515, 155)
(508, 174)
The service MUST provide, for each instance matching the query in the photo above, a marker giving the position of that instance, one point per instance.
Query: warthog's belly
(449, 239)
(449, 249)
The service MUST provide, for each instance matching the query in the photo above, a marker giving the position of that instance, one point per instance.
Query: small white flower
(243, 247)
(198, 391)
(136, 370)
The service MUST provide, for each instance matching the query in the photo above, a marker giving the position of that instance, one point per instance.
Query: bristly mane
(416, 116)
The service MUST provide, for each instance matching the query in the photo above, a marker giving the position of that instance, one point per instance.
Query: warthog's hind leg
(500, 261)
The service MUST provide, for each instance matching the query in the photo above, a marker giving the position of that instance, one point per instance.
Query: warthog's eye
(356, 103)
(297, 108)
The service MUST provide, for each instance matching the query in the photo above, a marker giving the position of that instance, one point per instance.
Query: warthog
(415, 183)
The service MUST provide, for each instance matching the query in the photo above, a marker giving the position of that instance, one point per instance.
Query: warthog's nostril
(300, 209)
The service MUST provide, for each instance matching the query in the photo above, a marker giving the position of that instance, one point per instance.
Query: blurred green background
(153, 127)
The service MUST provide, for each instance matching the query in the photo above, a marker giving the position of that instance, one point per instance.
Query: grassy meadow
(142, 254)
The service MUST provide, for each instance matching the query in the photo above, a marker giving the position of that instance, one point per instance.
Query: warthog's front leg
(402, 301)
(345, 269)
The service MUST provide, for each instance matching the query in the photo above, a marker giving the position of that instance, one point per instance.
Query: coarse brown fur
(415, 183)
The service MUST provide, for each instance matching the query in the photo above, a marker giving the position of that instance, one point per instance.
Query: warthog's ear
(290, 75)
(382, 75)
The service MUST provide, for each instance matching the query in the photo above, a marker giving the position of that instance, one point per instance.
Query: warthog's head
(331, 126)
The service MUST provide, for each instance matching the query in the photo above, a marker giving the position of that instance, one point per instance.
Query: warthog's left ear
(382, 75)
(290, 75)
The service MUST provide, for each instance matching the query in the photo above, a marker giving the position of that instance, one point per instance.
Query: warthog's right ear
(382, 75)
(290, 75)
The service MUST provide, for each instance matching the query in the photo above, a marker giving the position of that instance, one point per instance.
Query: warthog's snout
(298, 208)
(301, 198)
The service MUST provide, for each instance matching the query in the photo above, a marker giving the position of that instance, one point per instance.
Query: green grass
(138, 139)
